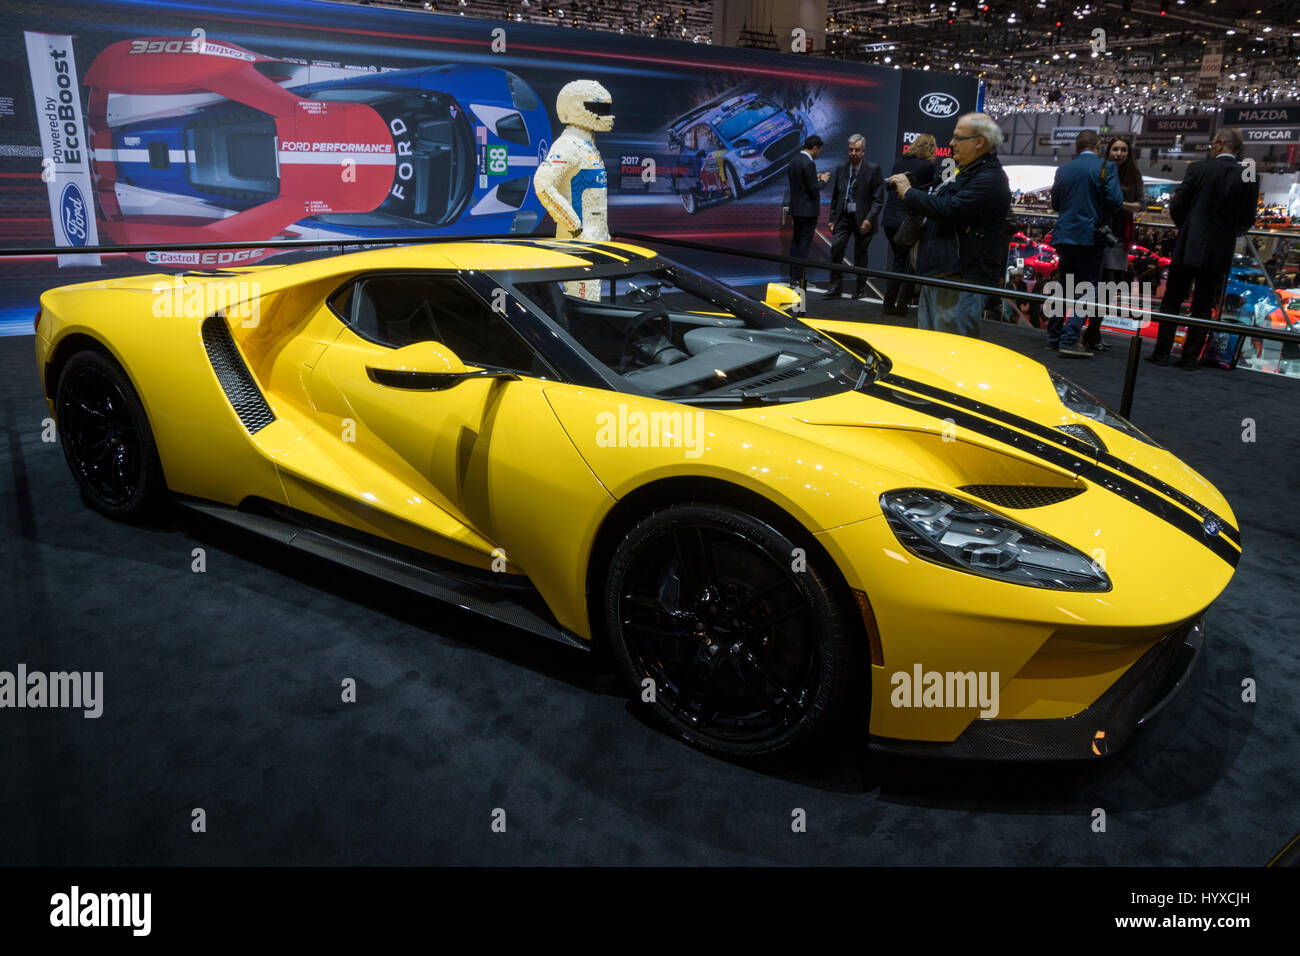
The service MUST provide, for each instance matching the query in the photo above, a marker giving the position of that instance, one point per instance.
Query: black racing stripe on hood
(1068, 441)
(582, 248)
(1051, 452)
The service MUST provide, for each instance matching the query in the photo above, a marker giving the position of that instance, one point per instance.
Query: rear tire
(106, 438)
(747, 655)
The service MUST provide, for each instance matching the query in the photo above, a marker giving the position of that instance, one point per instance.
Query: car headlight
(947, 530)
(749, 152)
(1078, 400)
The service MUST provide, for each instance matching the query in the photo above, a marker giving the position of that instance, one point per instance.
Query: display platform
(222, 693)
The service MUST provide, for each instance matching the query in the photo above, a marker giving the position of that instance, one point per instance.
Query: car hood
(972, 395)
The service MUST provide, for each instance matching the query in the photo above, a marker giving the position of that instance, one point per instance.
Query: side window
(398, 310)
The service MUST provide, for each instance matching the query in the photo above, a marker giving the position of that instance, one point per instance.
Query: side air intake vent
(234, 376)
(1084, 433)
(1021, 496)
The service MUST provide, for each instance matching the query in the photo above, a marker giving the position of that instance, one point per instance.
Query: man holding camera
(1086, 193)
(965, 233)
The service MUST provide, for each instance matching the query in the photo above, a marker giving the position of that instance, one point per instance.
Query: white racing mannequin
(571, 182)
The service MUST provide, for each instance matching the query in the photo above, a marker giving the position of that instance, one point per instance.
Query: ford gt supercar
(199, 141)
(776, 526)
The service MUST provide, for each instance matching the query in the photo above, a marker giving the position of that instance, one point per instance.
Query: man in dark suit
(805, 200)
(857, 195)
(1214, 205)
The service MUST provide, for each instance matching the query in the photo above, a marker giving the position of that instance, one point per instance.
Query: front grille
(1084, 433)
(236, 381)
(1022, 496)
(782, 147)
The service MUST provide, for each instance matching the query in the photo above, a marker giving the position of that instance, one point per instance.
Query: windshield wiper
(744, 398)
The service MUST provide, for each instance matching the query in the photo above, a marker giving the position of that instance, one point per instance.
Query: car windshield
(436, 164)
(747, 118)
(674, 334)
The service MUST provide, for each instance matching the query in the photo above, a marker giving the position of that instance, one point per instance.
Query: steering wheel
(649, 352)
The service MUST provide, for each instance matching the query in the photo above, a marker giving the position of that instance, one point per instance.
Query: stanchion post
(1131, 373)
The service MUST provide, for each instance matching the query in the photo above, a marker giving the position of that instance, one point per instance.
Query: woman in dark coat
(918, 162)
(1114, 261)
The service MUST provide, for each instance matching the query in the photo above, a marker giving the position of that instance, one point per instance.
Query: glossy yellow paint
(527, 470)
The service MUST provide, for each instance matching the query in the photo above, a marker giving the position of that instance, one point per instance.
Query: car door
(415, 453)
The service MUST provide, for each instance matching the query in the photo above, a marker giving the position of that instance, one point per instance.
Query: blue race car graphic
(205, 141)
(733, 144)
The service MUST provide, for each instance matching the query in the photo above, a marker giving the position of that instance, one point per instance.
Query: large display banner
(158, 123)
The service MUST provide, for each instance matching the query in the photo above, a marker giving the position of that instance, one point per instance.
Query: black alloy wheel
(106, 438)
(736, 626)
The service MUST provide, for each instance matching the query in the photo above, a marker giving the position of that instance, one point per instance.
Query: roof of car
(498, 254)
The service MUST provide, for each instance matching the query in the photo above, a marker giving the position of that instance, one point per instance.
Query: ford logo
(939, 104)
(1211, 527)
(72, 212)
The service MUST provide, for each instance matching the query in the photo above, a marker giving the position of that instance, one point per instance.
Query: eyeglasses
(958, 139)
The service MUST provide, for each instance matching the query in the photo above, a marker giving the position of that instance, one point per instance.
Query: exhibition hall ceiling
(1035, 55)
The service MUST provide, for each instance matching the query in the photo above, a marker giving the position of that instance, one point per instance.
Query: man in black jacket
(805, 200)
(857, 195)
(966, 232)
(1214, 205)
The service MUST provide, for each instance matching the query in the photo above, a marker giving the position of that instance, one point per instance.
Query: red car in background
(1042, 261)
(1142, 252)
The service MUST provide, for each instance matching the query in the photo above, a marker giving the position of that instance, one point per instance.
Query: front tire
(736, 625)
(690, 203)
(106, 438)
(733, 182)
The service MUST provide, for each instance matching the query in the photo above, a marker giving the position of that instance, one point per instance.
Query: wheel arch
(663, 492)
(68, 346)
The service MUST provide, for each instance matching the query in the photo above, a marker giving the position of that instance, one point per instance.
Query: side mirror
(427, 367)
(783, 298)
(642, 293)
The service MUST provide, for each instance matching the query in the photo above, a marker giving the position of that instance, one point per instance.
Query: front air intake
(236, 381)
(1085, 434)
(1021, 496)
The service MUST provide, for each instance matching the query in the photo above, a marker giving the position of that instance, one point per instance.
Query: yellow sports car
(777, 526)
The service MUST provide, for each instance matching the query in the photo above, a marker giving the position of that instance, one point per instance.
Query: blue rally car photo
(732, 145)
(197, 141)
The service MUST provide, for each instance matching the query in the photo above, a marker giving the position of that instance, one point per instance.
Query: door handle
(431, 381)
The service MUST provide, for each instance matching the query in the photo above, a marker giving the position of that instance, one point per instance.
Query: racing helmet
(587, 104)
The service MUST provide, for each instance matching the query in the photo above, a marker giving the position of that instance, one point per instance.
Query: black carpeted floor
(222, 692)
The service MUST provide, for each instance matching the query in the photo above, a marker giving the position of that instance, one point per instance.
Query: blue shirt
(1082, 201)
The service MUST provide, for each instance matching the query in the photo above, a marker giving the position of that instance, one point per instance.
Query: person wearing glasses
(1212, 207)
(966, 226)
